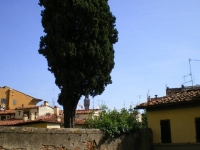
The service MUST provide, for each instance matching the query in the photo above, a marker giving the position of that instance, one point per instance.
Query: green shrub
(113, 122)
(144, 119)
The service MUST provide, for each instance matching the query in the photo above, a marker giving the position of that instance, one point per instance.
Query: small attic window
(3, 101)
(14, 102)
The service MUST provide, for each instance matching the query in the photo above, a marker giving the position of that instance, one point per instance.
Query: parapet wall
(27, 138)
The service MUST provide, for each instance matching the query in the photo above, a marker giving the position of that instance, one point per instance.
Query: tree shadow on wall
(138, 140)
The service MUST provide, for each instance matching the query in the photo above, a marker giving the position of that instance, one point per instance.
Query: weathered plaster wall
(22, 138)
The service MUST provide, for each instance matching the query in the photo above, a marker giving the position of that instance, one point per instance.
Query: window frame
(3, 101)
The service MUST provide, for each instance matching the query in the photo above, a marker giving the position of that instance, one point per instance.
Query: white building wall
(44, 110)
(19, 114)
(139, 117)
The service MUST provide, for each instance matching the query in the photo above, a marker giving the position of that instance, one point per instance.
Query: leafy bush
(113, 122)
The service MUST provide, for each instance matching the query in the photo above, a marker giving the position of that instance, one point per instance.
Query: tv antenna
(148, 93)
(190, 72)
(53, 102)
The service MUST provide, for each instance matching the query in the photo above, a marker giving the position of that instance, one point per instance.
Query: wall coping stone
(4, 129)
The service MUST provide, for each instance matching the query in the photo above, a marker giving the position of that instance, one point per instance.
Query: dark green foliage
(113, 122)
(78, 46)
(144, 120)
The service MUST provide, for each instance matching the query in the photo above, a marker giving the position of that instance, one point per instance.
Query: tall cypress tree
(78, 46)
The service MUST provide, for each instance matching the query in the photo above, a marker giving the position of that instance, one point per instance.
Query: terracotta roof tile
(79, 121)
(174, 98)
(10, 111)
(31, 107)
(51, 119)
(10, 122)
(48, 118)
(86, 111)
(26, 107)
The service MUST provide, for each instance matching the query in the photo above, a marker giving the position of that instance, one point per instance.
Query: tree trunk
(73, 112)
(67, 115)
(69, 112)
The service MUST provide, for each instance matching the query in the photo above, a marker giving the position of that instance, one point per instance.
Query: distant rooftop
(173, 96)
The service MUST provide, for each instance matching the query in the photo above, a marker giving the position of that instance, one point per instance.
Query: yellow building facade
(182, 124)
(174, 118)
(10, 99)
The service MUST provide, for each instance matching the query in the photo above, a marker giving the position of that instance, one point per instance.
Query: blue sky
(156, 40)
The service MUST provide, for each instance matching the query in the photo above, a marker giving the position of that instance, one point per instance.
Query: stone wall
(27, 138)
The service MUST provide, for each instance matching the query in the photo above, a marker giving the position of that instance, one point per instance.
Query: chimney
(56, 110)
(32, 116)
(46, 103)
(25, 117)
(148, 98)
(58, 119)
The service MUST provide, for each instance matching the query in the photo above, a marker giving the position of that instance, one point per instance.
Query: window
(165, 131)
(3, 101)
(14, 102)
(3, 117)
(197, 125)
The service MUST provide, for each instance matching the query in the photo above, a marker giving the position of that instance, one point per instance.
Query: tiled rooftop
(79, 121)
(32, 107)
(86, 111)
(27, 107)
(47, 118)
(3, 112)
(10, 122)
(173, 98)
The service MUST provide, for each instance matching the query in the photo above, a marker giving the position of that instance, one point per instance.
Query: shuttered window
(165, 131)
(197, 125)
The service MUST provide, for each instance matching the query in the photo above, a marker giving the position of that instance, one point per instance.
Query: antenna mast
(190, 72)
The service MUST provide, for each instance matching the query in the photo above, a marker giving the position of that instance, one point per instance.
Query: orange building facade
(11, 99)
